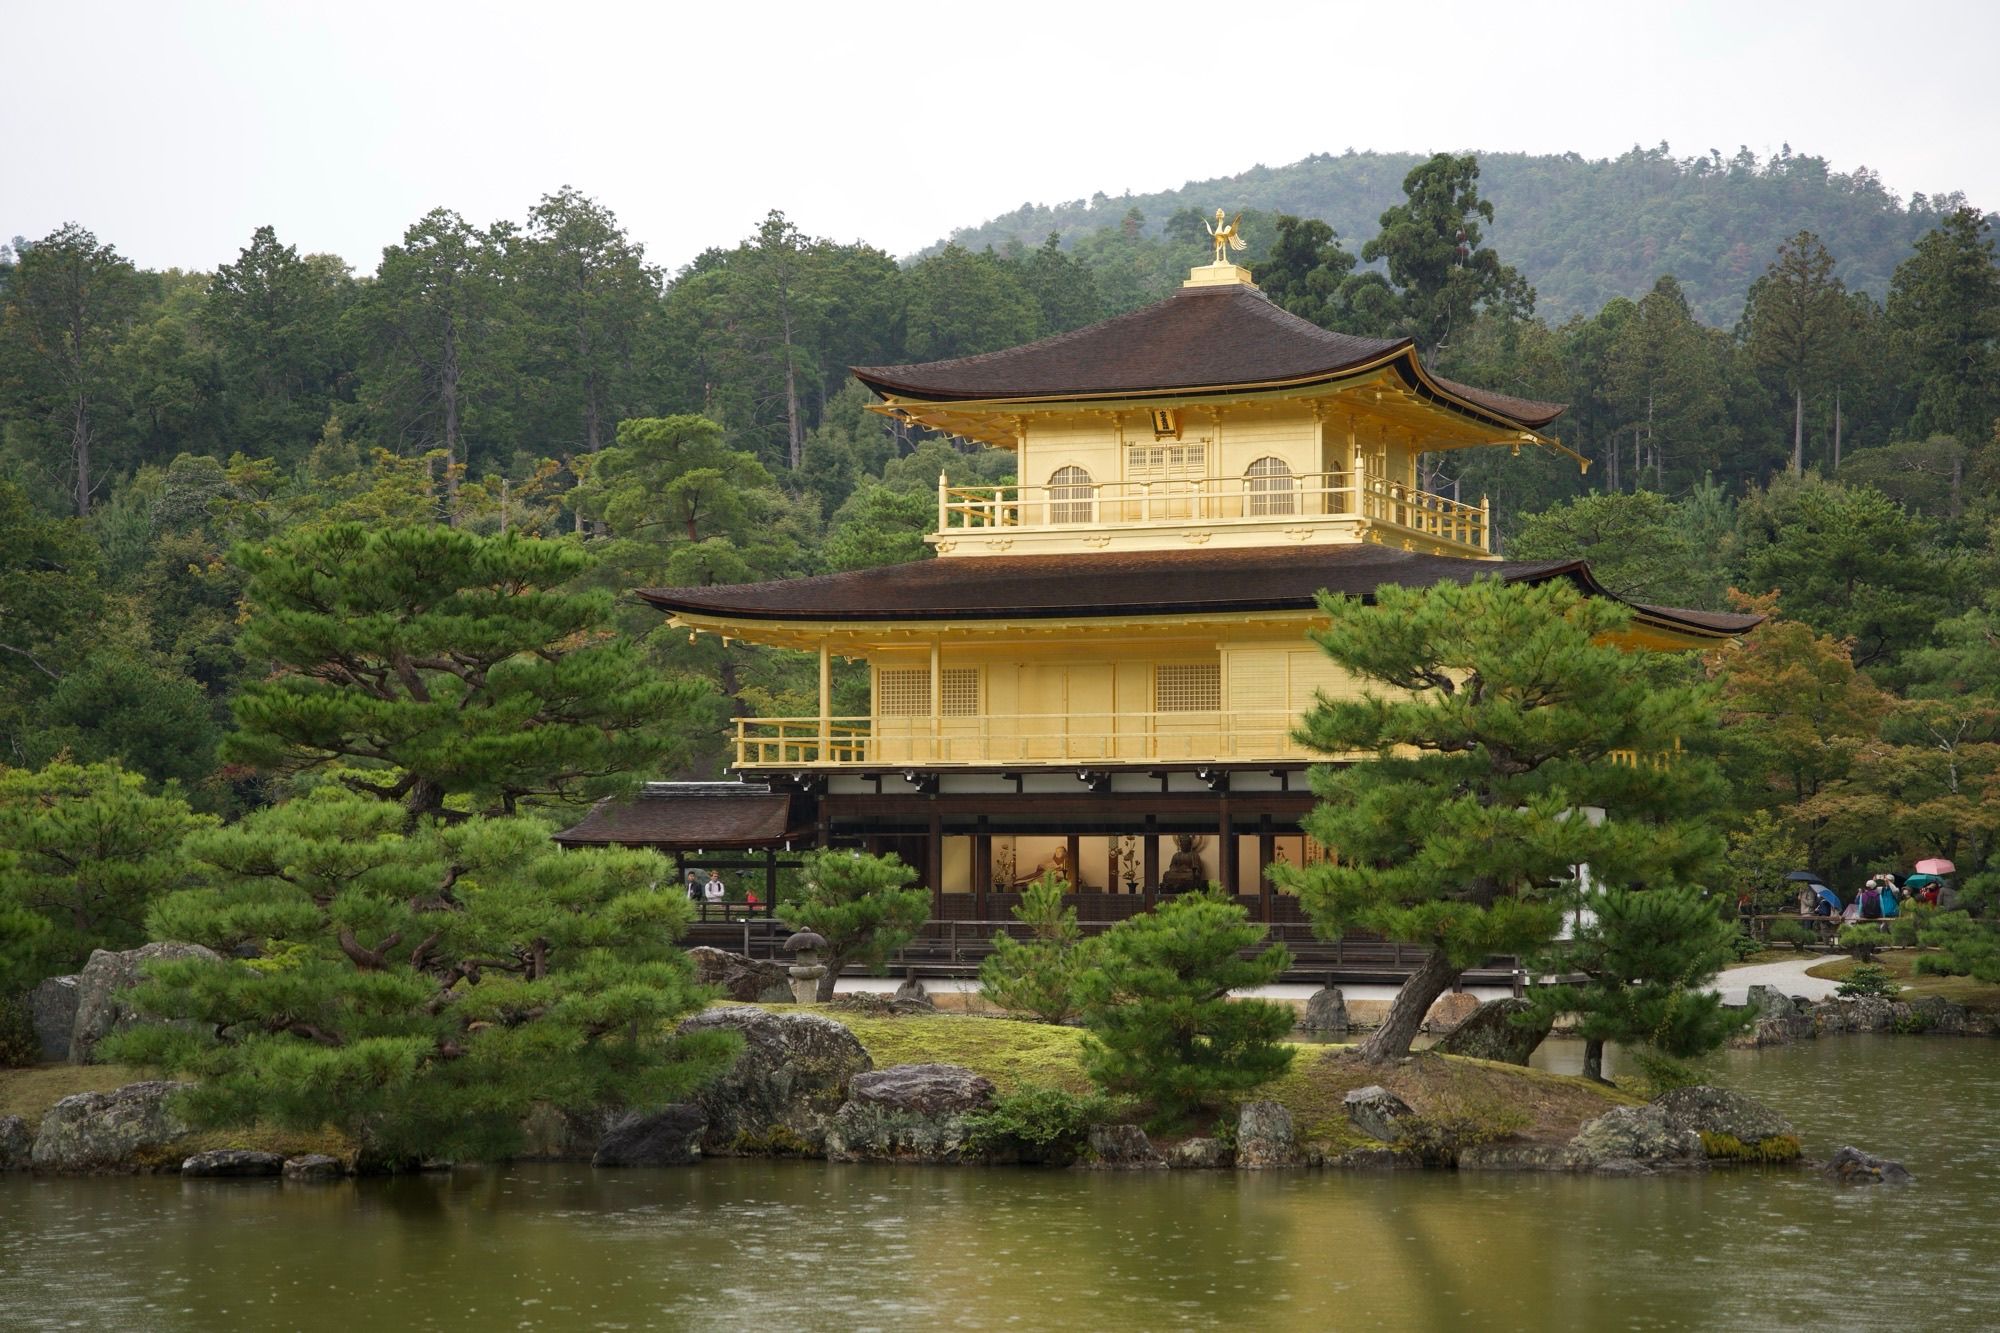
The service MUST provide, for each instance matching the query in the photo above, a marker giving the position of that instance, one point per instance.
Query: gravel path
(1789, 977)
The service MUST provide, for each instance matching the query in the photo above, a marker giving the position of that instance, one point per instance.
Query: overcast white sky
(173, 128)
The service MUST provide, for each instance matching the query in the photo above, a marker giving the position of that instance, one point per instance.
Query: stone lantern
(806, 967)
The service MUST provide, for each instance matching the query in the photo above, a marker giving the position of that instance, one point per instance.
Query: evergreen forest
(444, 476)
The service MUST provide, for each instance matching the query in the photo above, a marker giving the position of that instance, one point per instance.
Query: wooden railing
(1312, 496)
(1027, 738)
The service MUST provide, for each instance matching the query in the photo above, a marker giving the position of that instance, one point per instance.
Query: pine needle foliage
(1649, 954)
(451, 662)
(84, 849)
(1040, 975)
(1162, 1026)
(420, 991)
(1491, 716)
(861, 904)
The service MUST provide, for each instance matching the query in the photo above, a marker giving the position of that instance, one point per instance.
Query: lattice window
(1154, 462)
(903, 692)
(906, 691)
(958, 689)
(1268, 482)
(1187, 687)
(1070, 494)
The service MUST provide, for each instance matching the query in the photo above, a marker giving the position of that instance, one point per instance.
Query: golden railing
(1213, 500)
(1023, 738)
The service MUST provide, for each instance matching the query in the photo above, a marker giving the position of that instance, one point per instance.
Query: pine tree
(1041, 975)
(1944, 313)
(1443, 274)
(1649, 954)
(1494, 714)
(419, 991)
(1162, 1026)
(1795, 319)
(450, 664)
(861, 905)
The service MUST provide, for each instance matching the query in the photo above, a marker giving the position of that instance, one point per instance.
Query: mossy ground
(1479, 1099)
(29, 1093)
(1900, 965)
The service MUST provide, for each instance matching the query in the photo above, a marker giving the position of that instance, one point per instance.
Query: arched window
(1070, 494)
(1268, 485)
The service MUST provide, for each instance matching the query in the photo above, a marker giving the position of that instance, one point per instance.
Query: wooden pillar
(1152, 872)
(934, 861)
(1266, 844)
(937, 696)
(1226, 851)
(1075, 865)
(770, 876)
(982, 868)
(1111, 864)
(825, 702)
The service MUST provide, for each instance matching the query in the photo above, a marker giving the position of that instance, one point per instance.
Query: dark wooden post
(1266, 844)
(982, 868)
(1152, 885)
(934, 861)
(1075, 845)
(1226, 836)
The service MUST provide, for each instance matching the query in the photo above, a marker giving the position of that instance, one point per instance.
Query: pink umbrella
(1936, 865)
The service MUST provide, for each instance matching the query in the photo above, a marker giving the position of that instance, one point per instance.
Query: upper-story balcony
(1075, 513)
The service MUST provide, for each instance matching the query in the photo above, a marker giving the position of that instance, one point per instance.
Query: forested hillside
(1581, 231)
(217, 486)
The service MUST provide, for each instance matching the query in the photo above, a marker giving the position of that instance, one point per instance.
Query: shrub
(1744, 945)
(1660, 1072)
(1037, 1124)
(1863, 940)
(1867, 979)
(18, 1045)
(1163, 1027)
(1795, 933)
(1039, 976)
(1778, 1148)
(1911, 917)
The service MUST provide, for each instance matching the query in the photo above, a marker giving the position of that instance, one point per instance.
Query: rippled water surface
(781, 1245)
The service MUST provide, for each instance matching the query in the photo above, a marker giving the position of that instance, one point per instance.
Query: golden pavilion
(1100, 670)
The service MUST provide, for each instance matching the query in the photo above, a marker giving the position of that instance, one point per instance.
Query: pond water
(777, 1245)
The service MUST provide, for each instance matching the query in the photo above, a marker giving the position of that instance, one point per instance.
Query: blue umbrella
(1828, 896)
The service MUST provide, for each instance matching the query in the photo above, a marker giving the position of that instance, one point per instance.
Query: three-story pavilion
(1101, 668)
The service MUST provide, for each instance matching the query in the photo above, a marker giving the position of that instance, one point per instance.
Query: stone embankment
(1782, 1019)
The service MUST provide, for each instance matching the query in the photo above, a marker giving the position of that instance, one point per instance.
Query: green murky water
(777, 1245)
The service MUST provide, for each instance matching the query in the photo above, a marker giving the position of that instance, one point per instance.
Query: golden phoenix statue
(1228, 236)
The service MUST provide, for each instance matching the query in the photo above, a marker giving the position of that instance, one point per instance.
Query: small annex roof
(1201, 340)
(1133, 583)
(688, 816)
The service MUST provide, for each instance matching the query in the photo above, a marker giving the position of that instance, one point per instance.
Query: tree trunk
(448, 391)
(1392, 1040)
(823, 990)
(1799, 431)
(794, 437)
(1593, 1059)
(426, 798)
(79, 439)
(1836, 430)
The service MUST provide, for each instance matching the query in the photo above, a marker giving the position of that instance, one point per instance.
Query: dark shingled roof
(1200, 339)
(686, 816)
(1124, 583)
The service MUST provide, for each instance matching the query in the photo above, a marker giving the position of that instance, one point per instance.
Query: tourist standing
(713, 891)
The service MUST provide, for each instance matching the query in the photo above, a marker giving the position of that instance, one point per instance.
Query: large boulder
(17, 1144)
(1264, 1136)
(102, 1001)
(1199, 1155)
(1449, 1010)
(1731, 1126)
(1490, 1033)
(1379, 1113)
(670, 1136)
(741, 977)
(1122, 1148)
(314, 1166)
(551, 1134)
(1630, 1139)
(127, 1129)
(785, 1087)
(1851, 1166)
(1770, 1002)
(227, 1163)
(1933, 1014)
(52, 1013)
(910, 1113)
(1326, 1013)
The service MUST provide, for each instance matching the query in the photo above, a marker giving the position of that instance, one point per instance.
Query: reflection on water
(791, 1244)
